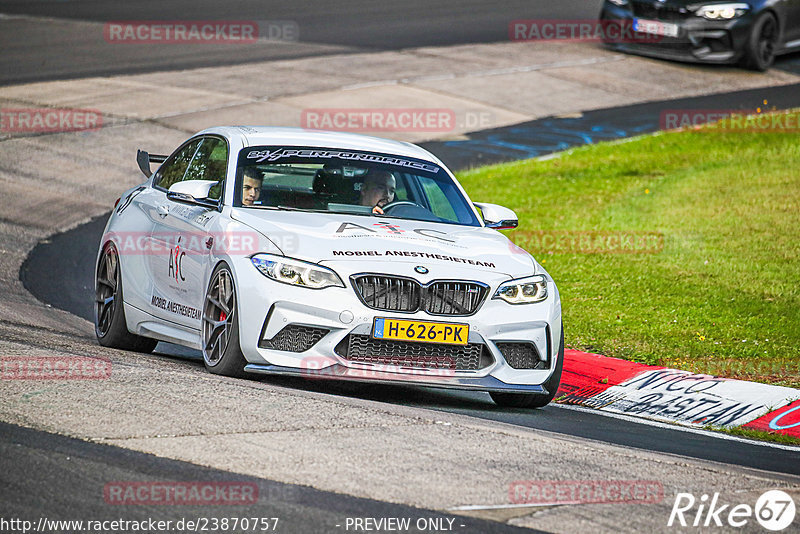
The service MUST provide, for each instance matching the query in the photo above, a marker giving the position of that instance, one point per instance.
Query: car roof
(272, 136)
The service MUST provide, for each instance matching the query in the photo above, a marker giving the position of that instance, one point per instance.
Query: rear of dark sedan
(750, 33)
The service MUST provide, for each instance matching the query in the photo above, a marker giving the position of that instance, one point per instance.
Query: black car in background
(750, 32)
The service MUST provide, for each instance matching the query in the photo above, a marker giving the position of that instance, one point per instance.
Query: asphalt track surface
(33, 51)
(61, 478)
(41, 471)
(34, 47)
(76, 250)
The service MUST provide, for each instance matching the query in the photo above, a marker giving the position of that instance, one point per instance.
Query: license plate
(655, 27)
(420, 331)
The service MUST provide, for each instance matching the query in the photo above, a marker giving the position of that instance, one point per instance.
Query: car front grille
(364, 349)
(521, 355)
(398, 294)
(658, 11)
(294, 338)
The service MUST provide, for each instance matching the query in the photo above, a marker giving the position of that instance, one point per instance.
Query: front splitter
(341, 372)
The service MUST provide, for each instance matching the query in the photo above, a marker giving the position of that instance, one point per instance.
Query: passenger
(251, 186)
(377, 190)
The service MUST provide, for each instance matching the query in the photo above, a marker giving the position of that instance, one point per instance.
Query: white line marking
(504, 506)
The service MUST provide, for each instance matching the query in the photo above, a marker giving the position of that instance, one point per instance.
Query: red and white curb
(674, 396)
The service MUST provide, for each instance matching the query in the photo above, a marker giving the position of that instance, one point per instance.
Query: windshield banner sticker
(260, 156)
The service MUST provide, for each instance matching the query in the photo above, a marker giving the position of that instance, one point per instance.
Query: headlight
(720, 11)
(296, 272)
(523, 290)
(619, 2)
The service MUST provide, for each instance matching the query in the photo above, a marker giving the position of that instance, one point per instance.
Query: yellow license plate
(420, 331)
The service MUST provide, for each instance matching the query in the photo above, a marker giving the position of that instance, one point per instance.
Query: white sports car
(331, 255)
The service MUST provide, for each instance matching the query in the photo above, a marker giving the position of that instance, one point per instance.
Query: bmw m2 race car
(321, 254)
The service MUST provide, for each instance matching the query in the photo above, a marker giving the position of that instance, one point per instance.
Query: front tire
(525, 400)
(109, 311)
(762, 43)
(222, 353)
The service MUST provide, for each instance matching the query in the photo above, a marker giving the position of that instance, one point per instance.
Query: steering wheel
(399, 203)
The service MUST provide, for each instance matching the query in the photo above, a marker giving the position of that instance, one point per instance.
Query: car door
(181, 232)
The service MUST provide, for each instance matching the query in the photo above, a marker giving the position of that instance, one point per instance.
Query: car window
(353, 182)
(174, 168)
(210, 162)
(202, 159)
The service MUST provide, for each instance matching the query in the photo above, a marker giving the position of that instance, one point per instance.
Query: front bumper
(698, 41)
(268, 307)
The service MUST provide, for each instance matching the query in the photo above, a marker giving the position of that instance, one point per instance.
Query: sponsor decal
(393, 229)
(175, 307)
(54, 368)
(412, 254)
(176, 256)
(276, 154)
(49, 120)
(774, 510)
(180, 493)
(680, 396)
(550, 492)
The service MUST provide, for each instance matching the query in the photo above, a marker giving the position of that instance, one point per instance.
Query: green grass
(759, 435)
(722, 296)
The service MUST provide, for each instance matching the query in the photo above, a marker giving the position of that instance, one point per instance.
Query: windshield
(338, 181)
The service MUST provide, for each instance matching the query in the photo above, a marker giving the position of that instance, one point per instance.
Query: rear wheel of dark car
(762, 43)
(525, 400)
(109, 311)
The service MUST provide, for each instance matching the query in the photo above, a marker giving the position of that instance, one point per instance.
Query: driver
(251, 186)
(377, 190)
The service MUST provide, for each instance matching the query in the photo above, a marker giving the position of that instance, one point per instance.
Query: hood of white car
(331, 238)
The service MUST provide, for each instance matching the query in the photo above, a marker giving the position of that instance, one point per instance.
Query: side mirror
(194, 192)
(497, 217)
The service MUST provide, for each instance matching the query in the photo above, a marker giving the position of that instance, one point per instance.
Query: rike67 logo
(774, 510)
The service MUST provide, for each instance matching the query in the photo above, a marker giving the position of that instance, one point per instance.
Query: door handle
(162, 210)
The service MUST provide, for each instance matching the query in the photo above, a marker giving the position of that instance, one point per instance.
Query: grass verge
(717, 293)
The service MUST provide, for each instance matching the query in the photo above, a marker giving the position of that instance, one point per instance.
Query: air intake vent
(522, 355)
(294, 338)
(364, 349)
